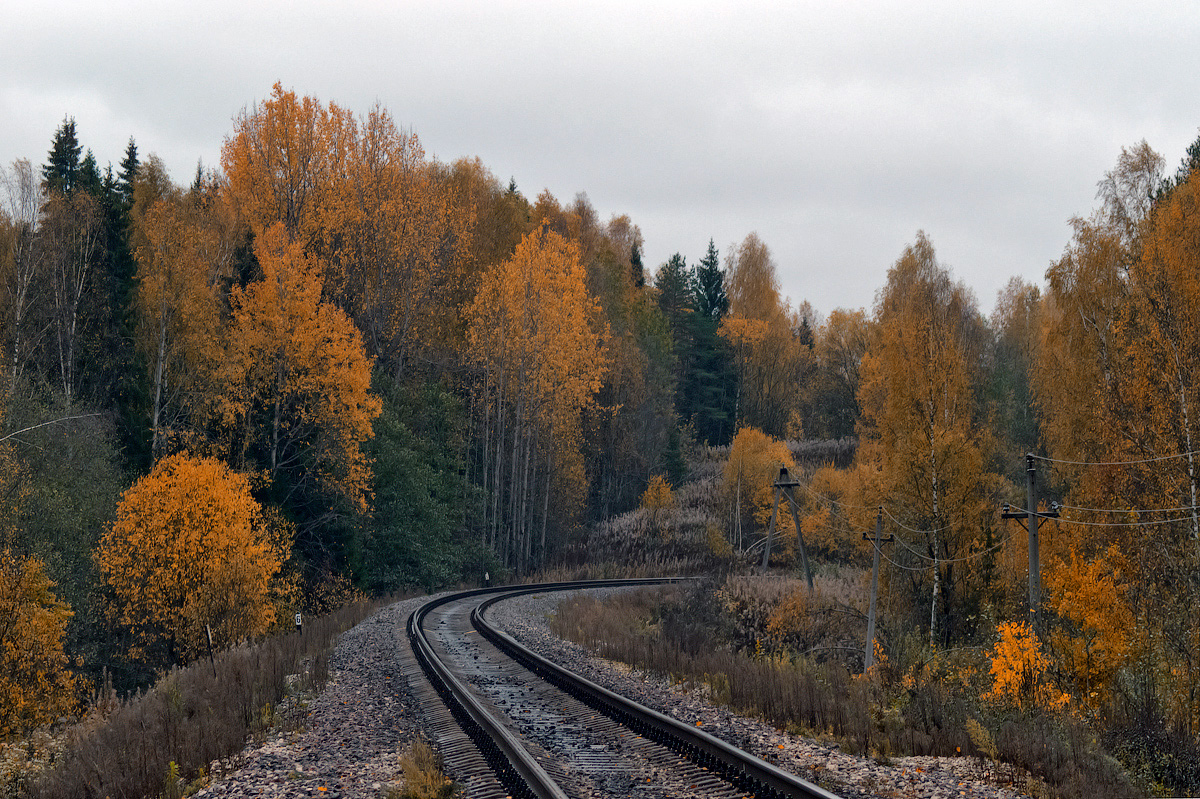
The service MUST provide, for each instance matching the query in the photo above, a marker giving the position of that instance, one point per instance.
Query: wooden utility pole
(783, 487)
(1031, 516)
(869, 655)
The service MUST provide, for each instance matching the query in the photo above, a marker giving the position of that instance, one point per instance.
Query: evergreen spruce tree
(128, 174)
(90, 179)
(61, 171)
(708, 285)
(674, 288)
(635, 265)
(707, 383)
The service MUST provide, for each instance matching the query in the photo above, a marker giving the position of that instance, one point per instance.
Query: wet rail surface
(515, 724)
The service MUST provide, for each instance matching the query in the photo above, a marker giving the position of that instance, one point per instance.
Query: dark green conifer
(127, 174)
(708, 285)
(61, 171)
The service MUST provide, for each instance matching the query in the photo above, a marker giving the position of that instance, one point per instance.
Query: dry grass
(151, 743)
(423, 776)
(687, 635)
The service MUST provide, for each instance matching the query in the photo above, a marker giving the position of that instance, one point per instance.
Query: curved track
(550, 734)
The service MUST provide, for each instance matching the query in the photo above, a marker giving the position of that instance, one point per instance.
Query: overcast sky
(835, 130)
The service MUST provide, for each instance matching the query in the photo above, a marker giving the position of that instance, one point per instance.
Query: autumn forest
(336, 366)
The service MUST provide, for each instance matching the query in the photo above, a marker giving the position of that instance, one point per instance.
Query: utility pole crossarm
(1030, 517)
(783, 488)
(1006, 512)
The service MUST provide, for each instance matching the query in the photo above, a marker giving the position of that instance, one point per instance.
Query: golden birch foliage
(397, 237)
(1020, 669)
(182, 259)
(916, 390)
(1115, 383)
(534, 322)
(771, 361)
(538, 334)
(657, 498)
(753, 284)
(920, 425)
(296, 378)
(278, 161)
(836, 527)
(754, 461)
(190, 548)
(36, 683)
(1091, 596)
(658, 495)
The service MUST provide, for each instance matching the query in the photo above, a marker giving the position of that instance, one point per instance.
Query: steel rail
(514, 766)
(735, 765)
(516, 769)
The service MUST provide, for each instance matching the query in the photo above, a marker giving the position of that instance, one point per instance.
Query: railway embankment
(353, 732)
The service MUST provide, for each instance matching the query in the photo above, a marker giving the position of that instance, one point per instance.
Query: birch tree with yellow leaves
(183, 254)
(762, 331)
(296, 398)
(1115, 382)
(920, 424)
(190, 551)
(534, 331)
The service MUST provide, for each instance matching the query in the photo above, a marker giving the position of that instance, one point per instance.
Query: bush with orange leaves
(36, 685)
(191, 550)
(657, 498)
(1019, 671)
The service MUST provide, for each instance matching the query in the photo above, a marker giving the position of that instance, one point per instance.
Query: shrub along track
(541, 731)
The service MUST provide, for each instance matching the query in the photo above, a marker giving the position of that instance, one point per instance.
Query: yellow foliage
(296, 375)
(540, 337)
(750, 473)
(1091, 596)
(36, 685)
(718, 545)
(657, 495)
(278, 161)
(791, 616)
(1019, 671)
(190, 549)
(183, 261)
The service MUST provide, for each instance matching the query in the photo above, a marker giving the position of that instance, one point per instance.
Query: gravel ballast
(354, 730)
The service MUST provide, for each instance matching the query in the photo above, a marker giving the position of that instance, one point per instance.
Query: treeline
(385, 370)
(1093, 375)
(395, 371)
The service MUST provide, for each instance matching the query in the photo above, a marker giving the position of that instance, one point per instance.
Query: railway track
(511, 723)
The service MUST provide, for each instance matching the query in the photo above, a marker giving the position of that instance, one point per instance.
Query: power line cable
(1131, 510)
(904, 526)
(1082, 523)
(1116, 463)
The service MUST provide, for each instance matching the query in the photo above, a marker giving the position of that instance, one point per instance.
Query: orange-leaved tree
(36, 683)
(1020, 670)
(297, 385)
(536, 334)
(750, 474)
(657, 498)
(762, 330)
(278, 161)
(183, 258)
(191, 550)
(396, 236)
(921, 424)
(1093, 643)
